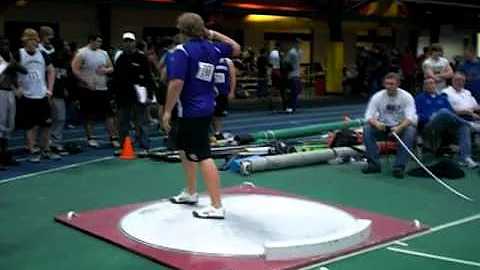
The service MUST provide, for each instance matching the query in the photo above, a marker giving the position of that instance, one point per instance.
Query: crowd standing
(187, 82)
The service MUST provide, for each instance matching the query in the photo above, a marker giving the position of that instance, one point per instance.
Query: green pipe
(298, 132)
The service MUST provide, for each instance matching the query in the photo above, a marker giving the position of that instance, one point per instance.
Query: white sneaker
(116, 144)
(92, 143)
(184, 198)
(210, 212)
(469, 163)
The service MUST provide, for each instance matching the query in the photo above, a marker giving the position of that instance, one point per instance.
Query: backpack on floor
(344, 138)
(443, 169)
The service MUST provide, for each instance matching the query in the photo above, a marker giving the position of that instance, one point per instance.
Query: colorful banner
(393, 9)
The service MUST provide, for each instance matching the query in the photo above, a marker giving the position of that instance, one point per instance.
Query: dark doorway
(154, 35)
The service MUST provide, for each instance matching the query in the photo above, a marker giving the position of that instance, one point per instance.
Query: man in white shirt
(437, 67)
(465, 106)
(275, 60)
(461, 99)
(390, 110)
(275, 57)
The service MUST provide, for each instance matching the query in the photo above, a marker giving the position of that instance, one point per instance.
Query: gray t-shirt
(92, 60)
(392, 110)
(294, 57)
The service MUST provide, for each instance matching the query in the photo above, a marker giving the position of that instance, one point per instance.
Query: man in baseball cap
(128, 35)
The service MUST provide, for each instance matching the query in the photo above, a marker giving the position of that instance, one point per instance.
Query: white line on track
(74, 165)
(433, 256)
(374, 248)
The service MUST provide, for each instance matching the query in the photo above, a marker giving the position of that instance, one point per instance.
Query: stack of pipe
(297, 132)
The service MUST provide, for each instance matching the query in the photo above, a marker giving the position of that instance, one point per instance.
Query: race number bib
(219, 78)
(205, 71)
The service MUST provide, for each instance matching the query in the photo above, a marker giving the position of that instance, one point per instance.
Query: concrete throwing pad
(271, 226)
(264, 229)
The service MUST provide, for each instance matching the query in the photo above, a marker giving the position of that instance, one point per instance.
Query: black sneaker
(371, 170)
(34, 157)
(59, 150)
(49, 154)
(10, 160)
(399, 174)
(3, 162)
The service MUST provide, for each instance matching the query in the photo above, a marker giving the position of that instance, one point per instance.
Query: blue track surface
(236, 123)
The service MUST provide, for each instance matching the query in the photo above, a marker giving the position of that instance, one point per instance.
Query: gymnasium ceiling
(348, 4)
(453, 9)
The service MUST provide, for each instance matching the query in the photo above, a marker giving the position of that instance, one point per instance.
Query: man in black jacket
(133, 87)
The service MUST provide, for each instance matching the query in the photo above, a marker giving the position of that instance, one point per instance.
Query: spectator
(91, 65)
(34, 107)
(461, 99)
(294, 59)
(133, 85)
(225, 81)
(61, 62)
(438, 67)
(8, 91)
(471, 68)
(435, 114)
(277, 76)
(46, 37)
(389, 110)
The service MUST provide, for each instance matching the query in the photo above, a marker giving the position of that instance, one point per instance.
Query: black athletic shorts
(221, 105)
(33, 113)
(193, 137)
(95, 104)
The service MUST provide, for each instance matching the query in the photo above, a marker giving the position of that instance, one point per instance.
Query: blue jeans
(445, 120)
(371, 134)
(295, 89)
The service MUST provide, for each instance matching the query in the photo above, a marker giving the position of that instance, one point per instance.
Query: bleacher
(248, 84)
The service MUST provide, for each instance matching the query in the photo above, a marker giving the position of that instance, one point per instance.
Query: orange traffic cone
(127, 151)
